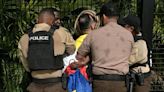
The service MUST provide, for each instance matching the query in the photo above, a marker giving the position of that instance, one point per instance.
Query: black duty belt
(49, 80)
(147, 74)
(111, 77)
(138, 64)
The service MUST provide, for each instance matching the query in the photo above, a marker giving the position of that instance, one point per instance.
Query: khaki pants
(109, 86)
(49, 87)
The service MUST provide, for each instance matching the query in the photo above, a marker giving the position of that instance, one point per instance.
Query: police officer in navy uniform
(48, 80)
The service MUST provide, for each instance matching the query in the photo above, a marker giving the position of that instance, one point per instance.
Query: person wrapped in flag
(79, 79)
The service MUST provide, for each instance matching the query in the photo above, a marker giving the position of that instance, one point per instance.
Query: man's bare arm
(82, 61)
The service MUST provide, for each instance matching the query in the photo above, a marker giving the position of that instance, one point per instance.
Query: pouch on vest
(41, 52)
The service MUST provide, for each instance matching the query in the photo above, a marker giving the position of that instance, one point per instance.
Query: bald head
(47, 16)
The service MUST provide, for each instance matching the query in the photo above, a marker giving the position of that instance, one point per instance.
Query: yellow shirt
(79, 40)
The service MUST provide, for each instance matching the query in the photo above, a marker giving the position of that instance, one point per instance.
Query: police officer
(110, 47)
(138, 59)
(47, 80)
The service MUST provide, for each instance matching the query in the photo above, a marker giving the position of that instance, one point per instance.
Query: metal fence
(23, 13)
(157, 53)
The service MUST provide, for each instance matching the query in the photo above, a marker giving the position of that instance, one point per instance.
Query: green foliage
(13, 77)
(159, 21)
(158, 35)
(158, 31)
(14, 21)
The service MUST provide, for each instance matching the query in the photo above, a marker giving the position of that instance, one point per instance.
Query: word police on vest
(39, 38)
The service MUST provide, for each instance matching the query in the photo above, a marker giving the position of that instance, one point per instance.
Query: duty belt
(49, 80)
(147, 74)
(111, 77)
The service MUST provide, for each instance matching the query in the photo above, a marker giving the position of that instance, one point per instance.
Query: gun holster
(64, 80)
(140, 79)
(129, 82)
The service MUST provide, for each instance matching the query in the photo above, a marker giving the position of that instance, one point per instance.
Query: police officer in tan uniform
(110, 47)
(139, 57)
(63, 43)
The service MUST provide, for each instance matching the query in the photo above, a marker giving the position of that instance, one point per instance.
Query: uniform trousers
(45, 87)
(109, 86)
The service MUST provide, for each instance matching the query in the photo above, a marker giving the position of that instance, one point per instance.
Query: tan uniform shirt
(63, 42)
(139, 55)
(110, 47)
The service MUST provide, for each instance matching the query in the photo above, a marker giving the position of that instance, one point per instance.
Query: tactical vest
(41, 52)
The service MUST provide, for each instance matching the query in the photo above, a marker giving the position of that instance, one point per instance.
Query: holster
(133, 78)
(129, 82)
(64, 81)
(140, 78)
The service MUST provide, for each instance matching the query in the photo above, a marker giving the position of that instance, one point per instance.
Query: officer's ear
(105, 19)
(132, 28)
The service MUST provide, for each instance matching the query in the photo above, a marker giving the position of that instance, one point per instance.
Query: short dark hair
(109, 9)
(49, 11)
(84, 21)
(134, 21)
